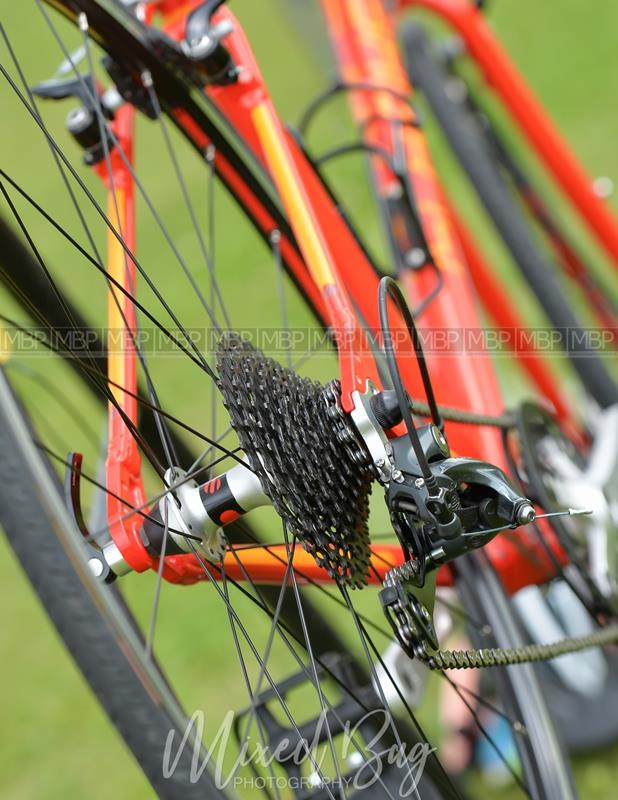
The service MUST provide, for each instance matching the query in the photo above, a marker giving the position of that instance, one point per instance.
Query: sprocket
(308, 457)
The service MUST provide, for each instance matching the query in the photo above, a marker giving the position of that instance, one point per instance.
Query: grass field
(55, 741)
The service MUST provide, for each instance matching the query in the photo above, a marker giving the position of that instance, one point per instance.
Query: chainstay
(503, 657)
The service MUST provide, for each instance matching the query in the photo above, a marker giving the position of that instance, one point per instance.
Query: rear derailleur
(441, 507)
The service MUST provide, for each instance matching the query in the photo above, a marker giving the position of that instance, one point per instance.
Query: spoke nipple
(275, 236)
(519, 727)
(579, 512)
(147, 78)
(486, 630)
(82, 22)
(211, 151)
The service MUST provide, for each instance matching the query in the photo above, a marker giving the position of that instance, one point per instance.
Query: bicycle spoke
(75, 204)
(281, 630)
(117, 145)
(157, 593)
(98, 377)
(363, 639)
(62, 398)
(271, 633)
(102, 487)
(210, 156)
(483, 730)
(103, 383)
(208, 259)
(103, 271)
(314, 670)
(164, 435)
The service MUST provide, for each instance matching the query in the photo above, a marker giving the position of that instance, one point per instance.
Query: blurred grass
(55, 741)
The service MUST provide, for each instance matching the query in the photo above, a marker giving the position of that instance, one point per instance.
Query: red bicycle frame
(337, 277)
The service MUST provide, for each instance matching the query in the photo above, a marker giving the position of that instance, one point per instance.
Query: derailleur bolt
(526, 514)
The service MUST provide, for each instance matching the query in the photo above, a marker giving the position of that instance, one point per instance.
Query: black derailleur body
(460, 507)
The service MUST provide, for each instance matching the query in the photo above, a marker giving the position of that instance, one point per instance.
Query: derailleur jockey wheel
(310, 461)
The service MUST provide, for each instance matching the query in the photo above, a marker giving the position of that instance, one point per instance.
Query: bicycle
(311, 451)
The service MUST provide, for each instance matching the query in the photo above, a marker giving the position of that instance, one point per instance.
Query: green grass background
(54, 740)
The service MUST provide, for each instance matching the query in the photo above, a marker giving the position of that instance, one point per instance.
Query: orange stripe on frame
(116, 266)
(290, 189)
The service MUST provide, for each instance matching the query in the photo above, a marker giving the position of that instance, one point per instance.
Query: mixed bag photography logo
(250, 762)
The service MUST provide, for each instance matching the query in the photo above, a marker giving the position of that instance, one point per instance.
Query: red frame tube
(365, 44)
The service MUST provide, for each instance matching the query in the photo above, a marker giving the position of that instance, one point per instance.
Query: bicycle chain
(450, 414)
(310, 461)
(526, 654)
(411, 634)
